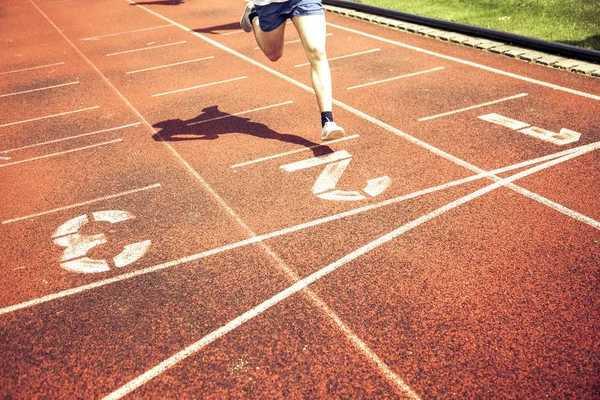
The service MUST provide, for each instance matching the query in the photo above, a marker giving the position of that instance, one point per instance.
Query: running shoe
(245, 22)
(332, 131)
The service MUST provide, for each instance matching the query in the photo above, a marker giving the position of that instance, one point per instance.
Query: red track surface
(252, 285)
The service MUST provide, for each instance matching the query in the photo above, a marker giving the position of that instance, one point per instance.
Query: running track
(172, 228)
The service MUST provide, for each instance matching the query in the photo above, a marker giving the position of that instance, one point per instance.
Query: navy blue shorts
(272, 15)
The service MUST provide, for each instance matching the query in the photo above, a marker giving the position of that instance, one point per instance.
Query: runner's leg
(271, 43)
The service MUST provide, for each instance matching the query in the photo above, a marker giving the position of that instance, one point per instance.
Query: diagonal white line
(199, 86)
(145, 48)
(51, 116)
(314, 277)
(32, 68)
(474, 107)
(84, 203)
(395, 78)
(242, 112)
(39, 89)
(127, 32)
(60, 153)
(341, 57)
(168, 65)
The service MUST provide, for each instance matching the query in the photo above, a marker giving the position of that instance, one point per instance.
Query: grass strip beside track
(572, 22)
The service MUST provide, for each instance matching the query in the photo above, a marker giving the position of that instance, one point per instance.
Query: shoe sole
(334, 134)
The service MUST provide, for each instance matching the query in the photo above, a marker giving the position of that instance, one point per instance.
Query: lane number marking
(565, 136)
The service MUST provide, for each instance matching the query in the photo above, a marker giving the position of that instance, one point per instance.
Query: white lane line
(388, 127)
(242, 113)
(294, 41)
(32, 68)
(316, 276)
(341, 57)
(84, 203)
(59, 153)
(200, 86)
(232, 33)
(145, 48)
(127, 32)
(395, 78)
(287, 153)
(51, 116)
(474, 107)
(292, 229)
(39, 89)
(469, 63)
(70, 138)
(315, 161)
(169, 65)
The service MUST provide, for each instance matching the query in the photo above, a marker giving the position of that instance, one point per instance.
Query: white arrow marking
(341, 195)
(313, 162)
(330, 176)
(132, 253)
(86, 266)
(565, 136)
(377, 186)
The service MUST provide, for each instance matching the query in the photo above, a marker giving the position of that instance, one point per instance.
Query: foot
(245, 22)
(332, 131)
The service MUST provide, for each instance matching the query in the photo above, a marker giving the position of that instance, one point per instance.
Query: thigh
(312, 30)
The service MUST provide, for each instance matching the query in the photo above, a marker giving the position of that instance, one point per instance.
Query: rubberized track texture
(172, 226)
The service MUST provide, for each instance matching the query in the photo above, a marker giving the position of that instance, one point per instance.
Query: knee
(274, 55)
(316, 55)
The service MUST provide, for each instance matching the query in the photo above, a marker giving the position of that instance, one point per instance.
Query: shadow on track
(213, 123)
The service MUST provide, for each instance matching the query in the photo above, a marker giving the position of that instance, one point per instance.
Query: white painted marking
(39, 89)
(242, 113)
(4, 158)
(395, 78)
(504, 121)
(293, 41)
(32, 68)
(341, 195)
(145, 48)
(304, 283)
(293, 151)
(60, 153)
(232, 33)
(341, 57)
(77, 246)
(85, 203)
(51, 116)
(127, 32)
(565, 136)
(71, 137)
(469, 63)
(377, 186)
(330, 176)
(473, 107)
(199, 86)
(131, 253)
(297, 228)
(169, 65)
(315, 161)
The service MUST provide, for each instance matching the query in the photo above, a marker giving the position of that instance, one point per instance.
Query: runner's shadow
(213, 123)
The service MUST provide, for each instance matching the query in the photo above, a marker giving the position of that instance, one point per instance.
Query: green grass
(574, 22)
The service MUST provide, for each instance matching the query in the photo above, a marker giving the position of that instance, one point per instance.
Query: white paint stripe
(504, 121)
(168, 65)
(200, 86)
(242, 112)
(469, 63)
(145, 48)
(39, 89)
(315, 161)
(32, 68)
(287, 153)
(294, 41)
(375, 121)
(283, 232)
(395, 78)
(232, 33)
(314, 277)
(474, 107)
(60, 153)
(70, 138)
(346, 56)
(84, 203)
(51, 116)
(127, 32)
